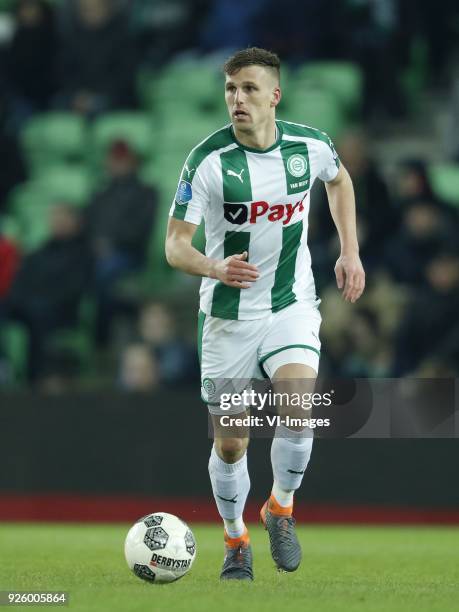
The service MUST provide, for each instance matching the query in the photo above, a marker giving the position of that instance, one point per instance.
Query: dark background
(158, 446)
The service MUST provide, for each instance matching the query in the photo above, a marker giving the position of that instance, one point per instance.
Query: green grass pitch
(344, 568)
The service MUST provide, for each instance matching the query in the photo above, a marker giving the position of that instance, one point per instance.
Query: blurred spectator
(425, 228)
(12, 167)
(119, 221)
(376, 216)
(368, 354)
(138, 369)
(230, 24)
(166, 27)
(97, 58)
(429, 331)
(371, 30)
(412, 182)
(9, 262)
(30, 58)
(275, 29)
(452, 131)
(176, 359)
(46, 292)
(60, 373)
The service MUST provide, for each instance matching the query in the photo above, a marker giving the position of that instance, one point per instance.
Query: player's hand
(350, 276)
(235, 271)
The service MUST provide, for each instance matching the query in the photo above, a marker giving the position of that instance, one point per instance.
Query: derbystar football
(160, 547)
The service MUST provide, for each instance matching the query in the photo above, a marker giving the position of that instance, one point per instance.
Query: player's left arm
(350, 275)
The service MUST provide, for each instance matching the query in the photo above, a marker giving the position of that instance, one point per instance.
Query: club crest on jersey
(184, 193)
(297, 165)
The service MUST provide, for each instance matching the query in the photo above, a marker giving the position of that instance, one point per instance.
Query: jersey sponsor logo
(238, 214)
(184, 193)
(276, 212)
(230, 172)
(297, 165)
(235, 213)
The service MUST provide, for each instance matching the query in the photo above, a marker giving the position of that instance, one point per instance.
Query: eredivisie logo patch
(184, 193)
(297, 165)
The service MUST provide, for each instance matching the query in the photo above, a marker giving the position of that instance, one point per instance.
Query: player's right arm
(233, 271)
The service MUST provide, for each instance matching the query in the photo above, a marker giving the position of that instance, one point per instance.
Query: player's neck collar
(254, 150)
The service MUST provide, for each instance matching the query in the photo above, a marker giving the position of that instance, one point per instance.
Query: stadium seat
(64, 183)
(137, 129)
(177, 138)
(77, 342)
(30, 202)
(150, 173)
(14, 344)
(342, 79)
(414, 76)
(25, 196)
(445, 182)
(29, 207)
(54, 138)
(7, 6)
(318, 109)
(10, 227)
(197, 83)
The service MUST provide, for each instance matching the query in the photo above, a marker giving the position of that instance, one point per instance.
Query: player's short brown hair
(252, 56)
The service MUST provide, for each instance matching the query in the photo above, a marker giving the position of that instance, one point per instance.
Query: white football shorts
(234, 352)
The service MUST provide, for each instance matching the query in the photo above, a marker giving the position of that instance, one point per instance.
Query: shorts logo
(297, 165)
(184, 193)
(209, 387)
(235, 213)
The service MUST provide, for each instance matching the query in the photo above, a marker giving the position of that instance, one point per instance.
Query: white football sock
(234, 527)
(290, 453)
(230, 485)
(283, 497)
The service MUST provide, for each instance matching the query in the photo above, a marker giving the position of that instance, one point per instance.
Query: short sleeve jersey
(256, 201)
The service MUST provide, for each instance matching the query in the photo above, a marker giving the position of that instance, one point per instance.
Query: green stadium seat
(77, 341)
(24, 197)
(29, 204)
(318, 109)
(180, 136)
(54, 138)
(137, 129)
(70, 184)
(10, 227)
(445, 182)
(414, 76)
(7, 6)
(150, 173)
(342, 79)
(198, 83)
(29, 207)
(14, 342)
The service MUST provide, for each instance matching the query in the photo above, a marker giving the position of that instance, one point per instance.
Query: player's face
(251, 95)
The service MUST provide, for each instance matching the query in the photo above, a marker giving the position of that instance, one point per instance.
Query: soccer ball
(160, 548)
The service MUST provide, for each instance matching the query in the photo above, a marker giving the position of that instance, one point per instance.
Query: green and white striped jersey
(256, 201)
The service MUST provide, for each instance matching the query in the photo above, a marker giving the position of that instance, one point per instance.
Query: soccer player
(251, 182)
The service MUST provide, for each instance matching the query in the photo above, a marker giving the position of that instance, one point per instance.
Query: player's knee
(231, 449)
